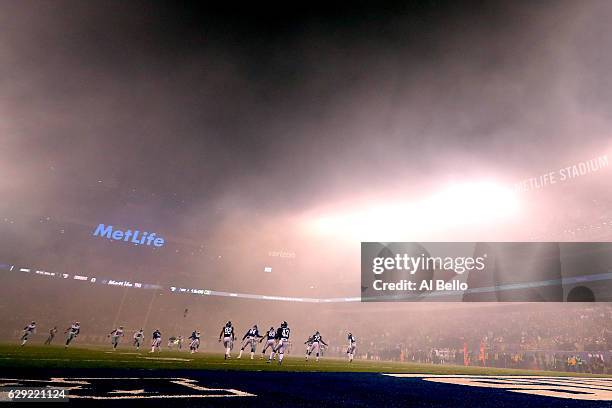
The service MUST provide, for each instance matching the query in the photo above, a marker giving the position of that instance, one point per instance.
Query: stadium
(405, 204)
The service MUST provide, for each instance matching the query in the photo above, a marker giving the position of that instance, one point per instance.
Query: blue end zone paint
(291, 389)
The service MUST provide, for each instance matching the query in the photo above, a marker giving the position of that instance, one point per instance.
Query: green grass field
(33, 357)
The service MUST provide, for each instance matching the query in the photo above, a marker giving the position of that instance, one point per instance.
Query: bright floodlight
(465, 204)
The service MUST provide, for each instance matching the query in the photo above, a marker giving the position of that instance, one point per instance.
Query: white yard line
(167, 358)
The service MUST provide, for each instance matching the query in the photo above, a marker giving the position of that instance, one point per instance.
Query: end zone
(579, 388)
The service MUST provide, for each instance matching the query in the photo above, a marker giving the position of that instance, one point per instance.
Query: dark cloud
(223, 128)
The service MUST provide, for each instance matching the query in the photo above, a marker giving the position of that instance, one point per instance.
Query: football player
(350, 351)
(317, 341)
(172, 341)
(115, 335)
(270, 337)
(308, 344)
(227, 333)
(282, 337)
(249, 339)
(138, 338)
(156, 342)
(73, 331)
(194, 341)
(27, 332)
(52, 333)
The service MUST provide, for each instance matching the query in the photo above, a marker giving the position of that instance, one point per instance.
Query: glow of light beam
(469, 204)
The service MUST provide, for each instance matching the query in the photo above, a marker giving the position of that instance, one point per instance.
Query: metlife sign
(128, 236)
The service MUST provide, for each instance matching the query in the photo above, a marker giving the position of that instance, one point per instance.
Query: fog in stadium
(282, 143)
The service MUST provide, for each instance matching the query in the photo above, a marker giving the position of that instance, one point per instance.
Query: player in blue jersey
(73, 331)
(317, 341)
(282, 337)
(194, 342)
(156, 341)
(352, 345)
(270, 338)
(29, 330)
(249, 339)
(115, 335)
(227, 334)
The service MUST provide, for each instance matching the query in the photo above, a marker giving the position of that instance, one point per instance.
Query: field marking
(122, 397)
(62, 359)
(114, 352)
(167, 358)
(120, 394)
(578, 388)
(234, 363)
(79, 359)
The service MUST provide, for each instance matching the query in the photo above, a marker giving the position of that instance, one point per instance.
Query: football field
(96, 375)
(33, 356)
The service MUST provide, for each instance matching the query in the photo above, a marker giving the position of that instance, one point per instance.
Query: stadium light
(460, 204)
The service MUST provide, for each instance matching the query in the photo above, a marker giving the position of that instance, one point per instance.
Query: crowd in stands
(546, 337)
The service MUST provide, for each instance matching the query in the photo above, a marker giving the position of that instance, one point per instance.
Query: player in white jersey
(317, 341)
(308, 344)
(115, 335)
(249, 339)
(73, 331)
(172, 341)
(350, 350)
(156, 341)
(138, 338)
(194, 342)
(52, 334)
(270, 338)
(282, 336)
(227, 333)
(29, 330)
